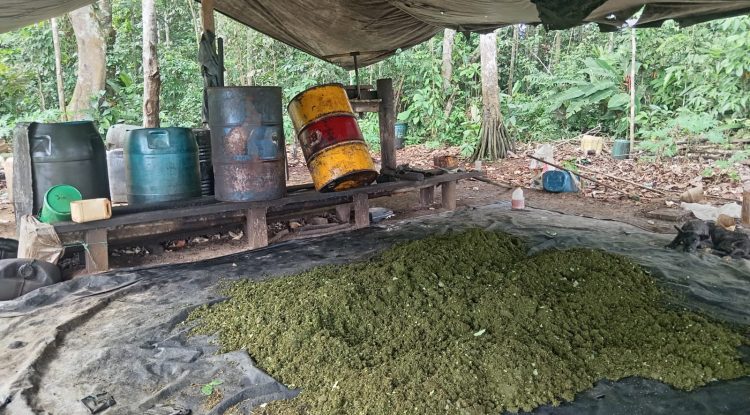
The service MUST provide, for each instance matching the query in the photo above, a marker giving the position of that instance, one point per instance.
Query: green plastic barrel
(161, 165)
(56, 206)
(401, 129)
(621, 149)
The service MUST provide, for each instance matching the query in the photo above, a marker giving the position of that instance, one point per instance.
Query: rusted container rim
(313, 88)
(339, 144)
(326, 116)
(349, 176)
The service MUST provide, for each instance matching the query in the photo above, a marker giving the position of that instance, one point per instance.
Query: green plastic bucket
(621, 149)
(56, 207)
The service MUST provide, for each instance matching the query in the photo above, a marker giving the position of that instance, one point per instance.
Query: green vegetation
(564, 82)
(465, 323)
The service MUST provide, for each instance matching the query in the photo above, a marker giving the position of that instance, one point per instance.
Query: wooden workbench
(207, 213)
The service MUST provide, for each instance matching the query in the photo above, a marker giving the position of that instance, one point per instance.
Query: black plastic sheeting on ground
(123, 332)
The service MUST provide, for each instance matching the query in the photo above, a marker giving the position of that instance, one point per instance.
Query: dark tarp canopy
(333, 29)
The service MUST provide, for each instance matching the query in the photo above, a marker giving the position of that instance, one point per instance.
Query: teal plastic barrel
(621, 149)
(161, 165)
(401, 130)
(56, 207)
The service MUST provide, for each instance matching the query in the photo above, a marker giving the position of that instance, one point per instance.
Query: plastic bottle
(517, 200)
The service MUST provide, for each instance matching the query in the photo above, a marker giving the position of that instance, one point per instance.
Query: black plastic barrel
(247, 143)
(161, 165)
(203, 139)
(69, 153)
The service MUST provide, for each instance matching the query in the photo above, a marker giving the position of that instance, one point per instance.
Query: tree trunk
(151, 78)
(494, 140)
(58, 68)
(92, 64)
(512, 66)
(447, 70)
(556, 51)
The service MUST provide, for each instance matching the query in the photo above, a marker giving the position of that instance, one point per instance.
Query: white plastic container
(116, 171)
(517, 201)
(89, 210)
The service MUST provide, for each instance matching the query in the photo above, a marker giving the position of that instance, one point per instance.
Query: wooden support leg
(97, 251)
(387, 122)
(746, 205)
(448, 194)
(361, 211)
(427, 196)
(255, 227)
(344, 212)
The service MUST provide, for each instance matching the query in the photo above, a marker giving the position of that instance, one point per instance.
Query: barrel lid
(59, 197)
(313, 88)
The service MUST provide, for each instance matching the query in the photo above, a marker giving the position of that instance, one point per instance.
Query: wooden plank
(97, 251)
(207, 15)
(365, 105)
(299, 200)
(361, 211)
(255, 228)
(344, 212)
(23, 190)
(668, 214)
(448, 195)
(427, 196)
(387, 118)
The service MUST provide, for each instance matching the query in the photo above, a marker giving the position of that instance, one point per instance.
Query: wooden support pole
(427, 196)
(207, 16)
(746, 205)
(448, 195)
(97, 250)
(344, 212)
(387, 117)
(255, 227)
(23, 191)
(361, 211)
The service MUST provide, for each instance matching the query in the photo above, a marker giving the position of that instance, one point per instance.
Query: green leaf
(619, 101)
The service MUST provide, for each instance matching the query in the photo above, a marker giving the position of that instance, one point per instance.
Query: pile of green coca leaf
(466, 323)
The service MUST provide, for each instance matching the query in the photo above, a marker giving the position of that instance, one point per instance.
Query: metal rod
(220, 52)
(356, 73)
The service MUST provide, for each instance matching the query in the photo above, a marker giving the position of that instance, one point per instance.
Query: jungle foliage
(561, 87)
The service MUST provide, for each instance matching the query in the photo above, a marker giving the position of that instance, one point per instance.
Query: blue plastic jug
(558, 181)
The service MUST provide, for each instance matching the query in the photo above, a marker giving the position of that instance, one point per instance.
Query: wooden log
(427, 196)
(361, 211)
(448, 195)
(387, 118)
(255, 227)
(97, 251)
(746, 205)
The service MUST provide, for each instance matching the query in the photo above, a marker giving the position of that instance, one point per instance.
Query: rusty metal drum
(327, 130)
(247, 143)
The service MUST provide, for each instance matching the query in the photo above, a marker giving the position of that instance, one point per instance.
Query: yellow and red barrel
(327, 130)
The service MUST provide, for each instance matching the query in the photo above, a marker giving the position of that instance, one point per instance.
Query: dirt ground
(593, 201)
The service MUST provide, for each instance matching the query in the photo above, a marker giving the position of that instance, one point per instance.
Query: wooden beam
(23, 190)
(427, 196)
(97, 251)
(448, 195)
(255, 227)
(387, 117)
(361, 211)
(365, 105)
(207, 15)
